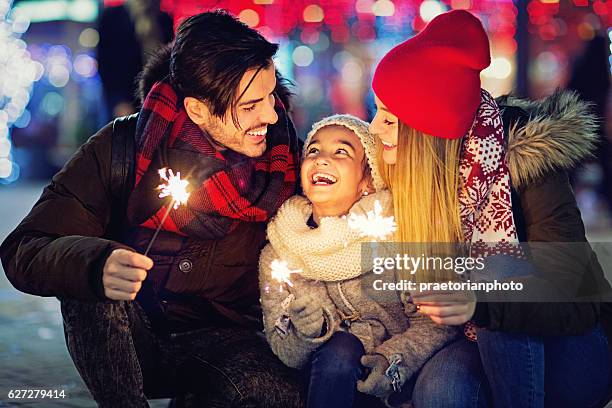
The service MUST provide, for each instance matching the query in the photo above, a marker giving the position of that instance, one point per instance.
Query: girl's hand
(377, 383)
(306, 315)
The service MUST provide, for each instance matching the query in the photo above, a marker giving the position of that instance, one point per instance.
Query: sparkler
(175, 188)
(282, 273)
(373, 224)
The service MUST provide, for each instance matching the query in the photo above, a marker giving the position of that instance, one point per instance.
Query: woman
(325, 322)
(445, 161)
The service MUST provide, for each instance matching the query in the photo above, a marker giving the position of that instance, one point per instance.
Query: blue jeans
(334, 370)
(508, 370)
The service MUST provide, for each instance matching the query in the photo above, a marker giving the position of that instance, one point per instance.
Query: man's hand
(123, 274)
(307, 315)
(446, 307)
(377, 383)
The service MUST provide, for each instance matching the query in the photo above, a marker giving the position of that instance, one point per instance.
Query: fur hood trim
(556, 132)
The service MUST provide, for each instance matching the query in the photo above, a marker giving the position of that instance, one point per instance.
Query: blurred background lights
(429, 9)
(302, 56)
(322, 44)
(52, 103)
(24, 120)
(364, 6)
(249, 17)
(5, 147)
(313, 14)
(56, 10)
(85, 65)
(352, 71)
(461, 4)
(340, 59)
(59, 75)
(383, 8)
(89, 38)
(21, 22)
(17, 73)
(500, 68)
(6, 167)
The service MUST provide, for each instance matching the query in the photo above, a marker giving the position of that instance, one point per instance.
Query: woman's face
(385, 127)
(333, 170)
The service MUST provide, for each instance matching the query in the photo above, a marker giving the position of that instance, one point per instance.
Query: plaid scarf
(226, 187)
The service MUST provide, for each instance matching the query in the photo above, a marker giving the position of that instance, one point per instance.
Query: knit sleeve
(416, 344)
(292, 348)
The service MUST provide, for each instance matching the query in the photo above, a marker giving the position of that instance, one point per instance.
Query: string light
(17, 74)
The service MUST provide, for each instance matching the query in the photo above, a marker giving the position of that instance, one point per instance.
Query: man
(181, 319)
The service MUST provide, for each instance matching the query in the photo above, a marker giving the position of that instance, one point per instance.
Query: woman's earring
(365, 193)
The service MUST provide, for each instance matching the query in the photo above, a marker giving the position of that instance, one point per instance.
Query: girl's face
(333, 171)
(385, 126)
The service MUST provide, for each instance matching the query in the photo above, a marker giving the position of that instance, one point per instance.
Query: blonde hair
(425, 185)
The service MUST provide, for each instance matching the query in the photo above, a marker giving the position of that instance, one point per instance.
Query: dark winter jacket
(61, 246)
(546, 139)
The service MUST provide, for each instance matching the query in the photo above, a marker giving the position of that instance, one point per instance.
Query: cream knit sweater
(329, 257)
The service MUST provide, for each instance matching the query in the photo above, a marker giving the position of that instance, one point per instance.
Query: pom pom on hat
(431, 81)
(360, 128)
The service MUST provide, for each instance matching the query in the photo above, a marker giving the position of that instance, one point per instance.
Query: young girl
(446, 165)
(324, 321)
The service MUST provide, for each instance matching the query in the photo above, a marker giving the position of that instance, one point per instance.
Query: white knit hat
(360, 128)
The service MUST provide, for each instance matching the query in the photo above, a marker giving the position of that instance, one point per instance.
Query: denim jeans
(123, 362)
(559, 371)
(334, 370)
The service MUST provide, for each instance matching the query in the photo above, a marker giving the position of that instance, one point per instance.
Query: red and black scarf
(226, 187)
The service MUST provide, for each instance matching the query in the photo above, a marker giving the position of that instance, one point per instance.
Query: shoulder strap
(122, 165)
(122, 156)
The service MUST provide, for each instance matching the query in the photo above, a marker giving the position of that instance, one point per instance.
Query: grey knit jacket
(389, 325)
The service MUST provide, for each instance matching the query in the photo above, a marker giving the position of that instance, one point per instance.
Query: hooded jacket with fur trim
(546, 139)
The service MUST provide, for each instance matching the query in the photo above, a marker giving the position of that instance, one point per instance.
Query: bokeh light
(89, 37)
(383, 8)
(500, 68)
(313, 13)
(302, 56)
(249, 17)
(85, 65)
(52, 103)
(429, 9)
(17, 73)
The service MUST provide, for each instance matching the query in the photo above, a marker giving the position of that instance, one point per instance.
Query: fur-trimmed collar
(556, 132)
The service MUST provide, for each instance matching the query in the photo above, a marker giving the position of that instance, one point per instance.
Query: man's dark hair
(211, 53)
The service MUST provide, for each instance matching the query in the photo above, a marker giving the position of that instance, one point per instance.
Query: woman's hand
(306, 315)
(451, 308)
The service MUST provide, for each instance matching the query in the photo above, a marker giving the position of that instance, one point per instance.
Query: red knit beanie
(431, 81)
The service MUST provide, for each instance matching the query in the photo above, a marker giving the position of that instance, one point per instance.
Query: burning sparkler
(175, 188)
(373, 224)
(282, 273)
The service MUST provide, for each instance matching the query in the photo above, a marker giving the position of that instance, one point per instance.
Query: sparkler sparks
(282, 273)
(373, 224)
(175, 187)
